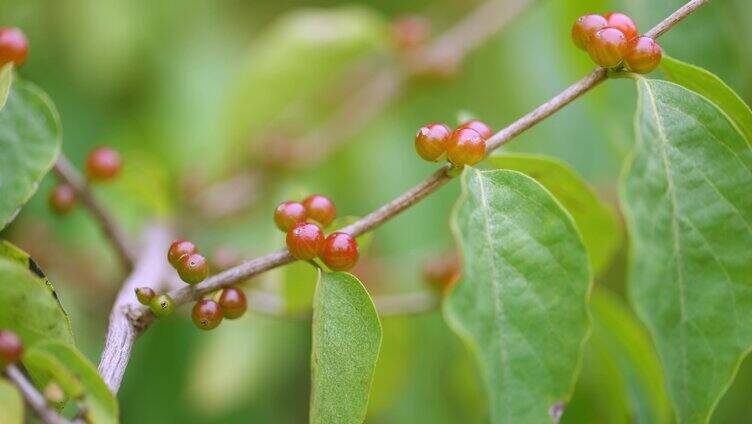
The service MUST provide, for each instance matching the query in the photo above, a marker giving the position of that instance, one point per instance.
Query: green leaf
(595, 219)
(11, 404)
(709, 85)
(521, 304)
(29, 145)
(53, 360)
(6, 79)
(30, 305)
(345, 346)
(688, 204)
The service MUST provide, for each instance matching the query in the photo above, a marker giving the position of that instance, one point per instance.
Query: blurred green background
(186, 89)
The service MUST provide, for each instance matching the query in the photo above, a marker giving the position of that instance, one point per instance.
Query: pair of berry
(612, 39)
(306, 241)
(162, 305)
(102, 164)
(11, 348)
(466, 145)
(191, 266)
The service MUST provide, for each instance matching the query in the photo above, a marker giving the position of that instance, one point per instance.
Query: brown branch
(66, 173)
(34, 399)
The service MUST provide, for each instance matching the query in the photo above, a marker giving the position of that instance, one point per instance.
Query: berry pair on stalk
(162, 305)
(466, 145)
(612, 40)
(191, 266)
(306, 241)
(103, 164)
(208, 313)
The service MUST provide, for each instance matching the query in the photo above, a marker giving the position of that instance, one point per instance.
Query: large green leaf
(346, 342)
(596, 220)
(687, 193)
(709, 85)
(522, 302)
(11, 404)
(29, 145)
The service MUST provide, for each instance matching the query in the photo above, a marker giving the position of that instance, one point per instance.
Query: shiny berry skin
(623, 23)
(410, 32)
(466, 147)
(644, 55)
(288, 214)
(320, 209)
(145, 295)
(178, 249)
(443, 271)
(103, 164)
(305, 241)
(62, 199)
(14, 47)
(584, 27)
(11, 348)
(608, 47)
(193, 268)
(207, 314)
(431, 141)
(162, 305)
(233, 303)
(481, 127)
(340, 252)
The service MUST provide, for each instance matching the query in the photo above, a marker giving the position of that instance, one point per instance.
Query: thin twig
(34, 399)
(66, 173)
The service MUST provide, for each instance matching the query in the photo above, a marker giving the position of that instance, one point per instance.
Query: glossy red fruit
(466, 147)
(288, 214)
(644, 55)
(233, 303)
(320, 209)
(145, 295)
(14, 47)
(305, 241)
(481, 127)
(608, 47)
(11, 348)
(206, 314)
(103, 164)
(431, 141)
(584, 27)
(623, 23)
(340, 252)
(62, 199)
(442, 271)
(178, 249)
(193, 268)
(410, 32)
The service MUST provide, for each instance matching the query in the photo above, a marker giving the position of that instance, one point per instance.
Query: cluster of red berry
(11, 348)
(103, 164)
(612, 40)
(306, 240)
(14, 47)
(466, 145)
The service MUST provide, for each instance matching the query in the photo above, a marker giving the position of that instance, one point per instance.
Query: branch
(67, 174)
(34, 399)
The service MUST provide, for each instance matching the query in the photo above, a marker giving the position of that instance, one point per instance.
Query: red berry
(340, 252)
(206, 314)
(305, 241)
(288, 214)
(481, 127)
(442, 271)
(233, 303)
(145, 295)
(62, 199)
(431, 141)
(178, 249)
(103, 164)
(410, 32)
(644, 55)
(14, 47)
(608, 47)
(584, 27)
(193, 268)
(11, 348)
(623, 23)
(320, 209)
(466, 147)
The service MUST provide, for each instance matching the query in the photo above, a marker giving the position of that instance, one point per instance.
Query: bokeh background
(195, 92)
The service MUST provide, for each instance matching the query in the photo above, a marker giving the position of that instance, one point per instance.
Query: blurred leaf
(6, 78)
(707, 84)
(521, 304)
(29, 145)
(687, 201)
(345, 346)
(55, 359)
(45, 368)
(11, 404)
(596, 220)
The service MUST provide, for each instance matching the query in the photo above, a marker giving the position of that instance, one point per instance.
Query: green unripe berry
(162, 305)
(193, 268)
(340, 252)
(431, 141)
(11, 348)
(466, 147)
(584, 27)
(233, 303)
(320, 209)
(305, 241)
(288, 214)
(178, 249)
(145, 295)
(207, 314)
